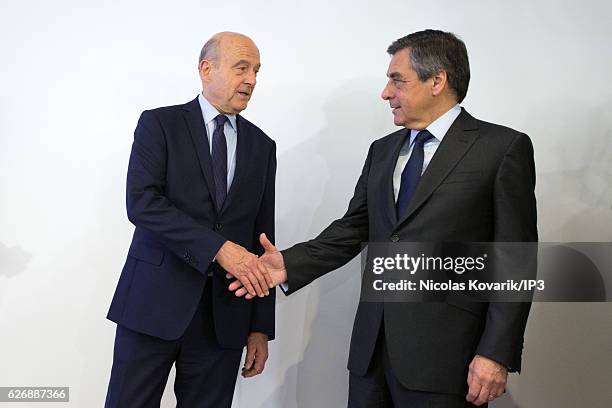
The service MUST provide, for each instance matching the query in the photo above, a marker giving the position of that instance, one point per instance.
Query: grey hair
(432, 51)
(210, 50)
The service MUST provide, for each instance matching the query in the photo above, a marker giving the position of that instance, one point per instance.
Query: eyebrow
(395, 75)
(245, 62)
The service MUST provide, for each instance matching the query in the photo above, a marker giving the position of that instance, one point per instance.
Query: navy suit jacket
(170, 200)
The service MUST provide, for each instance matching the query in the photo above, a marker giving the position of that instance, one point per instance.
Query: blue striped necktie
(219, 160)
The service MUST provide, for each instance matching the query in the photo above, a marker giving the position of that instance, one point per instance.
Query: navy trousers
(379, 388)
(205, 373)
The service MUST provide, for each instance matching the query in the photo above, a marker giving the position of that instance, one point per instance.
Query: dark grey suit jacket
(478, 187)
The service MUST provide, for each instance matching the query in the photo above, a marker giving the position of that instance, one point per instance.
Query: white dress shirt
(438, 128)
(209, 113)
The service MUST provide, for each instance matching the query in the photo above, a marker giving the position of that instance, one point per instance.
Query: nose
(386, 92)
(251, 78)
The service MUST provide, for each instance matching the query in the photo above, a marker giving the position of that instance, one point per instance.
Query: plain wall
(77, 74)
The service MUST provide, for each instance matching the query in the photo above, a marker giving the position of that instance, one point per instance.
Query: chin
(238, 109)
(398, 120)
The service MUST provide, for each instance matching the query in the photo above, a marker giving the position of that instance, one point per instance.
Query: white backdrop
(76, 75)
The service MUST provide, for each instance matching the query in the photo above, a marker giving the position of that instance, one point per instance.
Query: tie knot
(220, 121)
(423, 136)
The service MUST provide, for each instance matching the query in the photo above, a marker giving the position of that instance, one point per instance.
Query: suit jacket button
(394, 238)
(217, 227)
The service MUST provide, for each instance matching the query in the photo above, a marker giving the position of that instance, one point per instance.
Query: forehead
(237, 48)
(400, 63)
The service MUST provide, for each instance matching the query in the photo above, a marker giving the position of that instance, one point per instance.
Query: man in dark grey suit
(444, 177)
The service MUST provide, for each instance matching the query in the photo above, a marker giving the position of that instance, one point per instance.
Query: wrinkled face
(411, 99)
(229, 81)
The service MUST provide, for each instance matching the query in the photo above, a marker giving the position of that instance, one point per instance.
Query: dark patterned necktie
(412, 172)
(219, 160)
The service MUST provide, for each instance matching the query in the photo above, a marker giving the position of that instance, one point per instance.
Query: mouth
(245, 94)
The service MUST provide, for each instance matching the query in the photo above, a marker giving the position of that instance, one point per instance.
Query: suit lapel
(453, 147)
(389, 197)
(243, 147)
(195, 123)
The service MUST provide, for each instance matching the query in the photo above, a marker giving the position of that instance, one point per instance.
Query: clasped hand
(270, 265)
(246, 268)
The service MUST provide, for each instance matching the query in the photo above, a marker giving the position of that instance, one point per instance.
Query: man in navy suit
(200, 187)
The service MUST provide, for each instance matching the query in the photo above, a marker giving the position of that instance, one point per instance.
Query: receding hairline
(210, 50)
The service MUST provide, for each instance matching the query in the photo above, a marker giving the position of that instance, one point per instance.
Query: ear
(205, 69)
(439, 83)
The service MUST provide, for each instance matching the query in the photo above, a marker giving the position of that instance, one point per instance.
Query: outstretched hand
(273, 262)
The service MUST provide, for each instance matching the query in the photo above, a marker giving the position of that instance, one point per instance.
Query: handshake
(255, 276)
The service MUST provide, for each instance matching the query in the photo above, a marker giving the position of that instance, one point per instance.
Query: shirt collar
(439, 127)
(209, 112)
